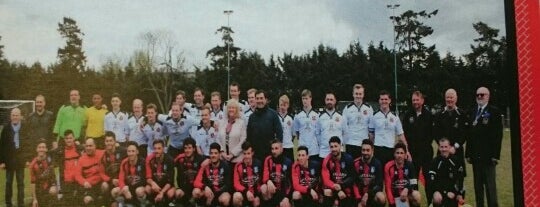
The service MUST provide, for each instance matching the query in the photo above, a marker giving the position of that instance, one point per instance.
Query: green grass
(504, 180)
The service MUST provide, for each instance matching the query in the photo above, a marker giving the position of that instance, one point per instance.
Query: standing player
(217, 111)
(42, 177)
(276, 188)
(90, 174)
(71, 117)
(117, 121)
(180, 99)
(356, 117)
(330, 124)
(418, 128)
(287, 125)
(95, 118)
(306, 176)
(152, 129)
(159, 175)
(134, 123)
(187, 164)
(452, 123)
(247, 179)
(177, 127)
(132, 177)
(305, 123)
(446, 177)
(205, 133)
(196, 107)
(400, 179)
(234, 92)
(338, 175)
(41, 121)
(252, 104)
(213, 181)
(369, 185)
(383, 129)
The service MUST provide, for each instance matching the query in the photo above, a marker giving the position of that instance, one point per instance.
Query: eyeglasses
(480, 95)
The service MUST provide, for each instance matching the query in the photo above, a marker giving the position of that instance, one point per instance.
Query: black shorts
(370, 200)
(94, 191)
(276, 199)
(289, 152)
(353, 150)
(44, 198)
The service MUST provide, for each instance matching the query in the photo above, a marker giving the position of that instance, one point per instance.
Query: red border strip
(528, 55)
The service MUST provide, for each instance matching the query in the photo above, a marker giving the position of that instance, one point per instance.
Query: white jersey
(217, 116)
(117, 123)
(356, 124)
(329, 124)
(135, 132)
(305, 124)
(288, 131)
(177, 130)
(153, 132)
(204, 137)
(385, 127)
(247, 114)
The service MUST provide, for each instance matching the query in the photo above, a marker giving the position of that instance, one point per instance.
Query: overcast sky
(113, 28)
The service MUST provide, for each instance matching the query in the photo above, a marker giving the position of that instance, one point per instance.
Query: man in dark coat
(484, 147)
(263, 126)
(15, 154)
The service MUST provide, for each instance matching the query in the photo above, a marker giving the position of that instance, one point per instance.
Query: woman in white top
(232, 133)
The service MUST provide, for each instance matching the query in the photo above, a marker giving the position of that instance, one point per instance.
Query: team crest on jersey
(406, 171)
(284, 168)
(256, 169)
(158, 129)
(391, 120)
(139, 168)
(221, 171)
(342, 165)
(220, 116)
(121, 118)
(337, 119)
(212, 135)
(411, 120)
(117, 156)
(181, 123)
(313, 118)
(289, 123)
(365, 112)
(164, 167)
(372, 169)
(312, 171)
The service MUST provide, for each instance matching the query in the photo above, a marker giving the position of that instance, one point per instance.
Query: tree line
(157, 69)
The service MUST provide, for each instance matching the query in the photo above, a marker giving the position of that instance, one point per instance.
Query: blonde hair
(234, 103)
(284, 99)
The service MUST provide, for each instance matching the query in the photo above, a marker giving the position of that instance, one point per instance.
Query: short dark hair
(110, 134)
(215, 146)
(275, 141)
(117, 95)
(246, 145)
(418, 93)
(444, 139)
(68, 132)
(384, 92)
(198, 89)
(334, 139)
(400, 145)
(158, 141)
(132, 143)
(261, 91)
(304, 148)
(41, 141)
(190, 141)
(368, 142)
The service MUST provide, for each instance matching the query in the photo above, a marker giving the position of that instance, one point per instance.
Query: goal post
(26, 106)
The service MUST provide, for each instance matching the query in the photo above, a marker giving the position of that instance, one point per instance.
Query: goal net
(26, 106)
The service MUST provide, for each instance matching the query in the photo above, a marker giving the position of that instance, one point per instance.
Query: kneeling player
(159, 175)
(276, 186)
(247, 178)
(338, 176)
(90, 174)
(400, 179)
(187, 164)
(213, 180)
(369, 185)
(305, 179)
(131, 178)
(446, 177)
(42, 178)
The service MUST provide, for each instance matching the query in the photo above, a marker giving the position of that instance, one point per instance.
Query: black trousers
(17, 172)
(422, 158)
(288, 152)
(384, 154)
(485, 181)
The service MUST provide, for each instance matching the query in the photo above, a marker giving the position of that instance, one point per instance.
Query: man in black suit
(484, 147)
(15, 154)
